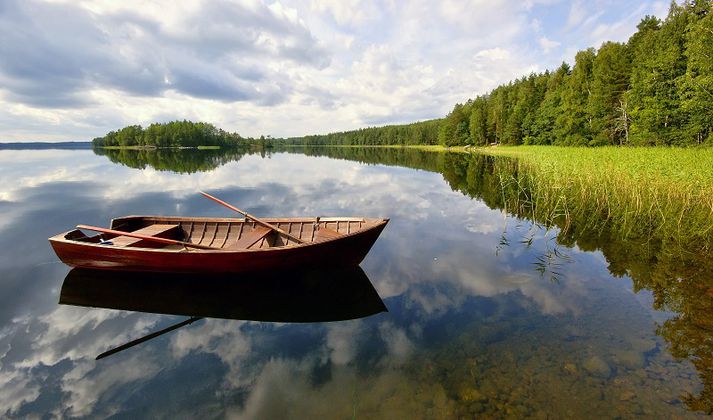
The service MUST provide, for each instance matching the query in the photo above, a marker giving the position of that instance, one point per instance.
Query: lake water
(489, 314)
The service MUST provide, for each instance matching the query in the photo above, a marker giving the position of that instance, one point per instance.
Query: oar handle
(145, 237)
(147, 337)
(250, 216)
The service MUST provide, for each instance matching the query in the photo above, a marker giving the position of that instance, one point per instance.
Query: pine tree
(696, 89)
(611, 72)
(479, 121)
(530, 129)
(498, 113)
(518, 96)
(455, 128)
(545, 128)
(659, 65)
(575, 119)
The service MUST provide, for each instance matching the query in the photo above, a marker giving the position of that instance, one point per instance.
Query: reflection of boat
(303, 296)
(185, 244)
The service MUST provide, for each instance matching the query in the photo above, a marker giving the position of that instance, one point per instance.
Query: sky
(76, 69)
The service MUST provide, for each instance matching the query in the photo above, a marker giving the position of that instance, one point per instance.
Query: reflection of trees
(674, 266)
(682, 284)
(175, 160)
(409, 158)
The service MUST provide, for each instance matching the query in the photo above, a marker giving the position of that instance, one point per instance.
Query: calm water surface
(488, 314)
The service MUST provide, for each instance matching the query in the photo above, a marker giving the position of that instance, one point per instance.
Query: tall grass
(666, 193)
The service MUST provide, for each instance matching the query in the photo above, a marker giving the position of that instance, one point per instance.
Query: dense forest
(171, 134)
(425, 132)
(655, 89)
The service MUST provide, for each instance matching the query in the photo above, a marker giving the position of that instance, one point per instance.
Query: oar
(255, 219)
(146, 237)
(147, 337)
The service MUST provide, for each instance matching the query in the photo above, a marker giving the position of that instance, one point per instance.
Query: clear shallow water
(476, 325)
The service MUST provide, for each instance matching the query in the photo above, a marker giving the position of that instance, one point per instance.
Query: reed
(660, 192)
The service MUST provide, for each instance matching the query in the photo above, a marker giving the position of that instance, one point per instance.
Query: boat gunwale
(61, 237)
(243, 219)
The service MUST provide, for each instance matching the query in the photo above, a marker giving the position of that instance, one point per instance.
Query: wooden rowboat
(219, 245)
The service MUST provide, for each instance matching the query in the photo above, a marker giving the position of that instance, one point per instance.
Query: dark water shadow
(306, 296)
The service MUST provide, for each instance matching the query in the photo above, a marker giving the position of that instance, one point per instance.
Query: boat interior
(224, 234)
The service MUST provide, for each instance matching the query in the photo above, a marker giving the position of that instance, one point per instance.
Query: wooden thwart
(155, 230)
(148, 238)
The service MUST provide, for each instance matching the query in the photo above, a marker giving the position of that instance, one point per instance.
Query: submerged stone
(643, 345)
(470, 394)
(627, 395)
(596, 366)
(570, 368)
(629, 359)
(477, 408)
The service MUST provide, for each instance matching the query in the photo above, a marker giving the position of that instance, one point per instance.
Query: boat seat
(157, 230)
(324, 233)
(251, 238)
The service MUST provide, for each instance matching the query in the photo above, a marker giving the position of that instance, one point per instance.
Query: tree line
(172, 134)
(654, 89)
(425, 132)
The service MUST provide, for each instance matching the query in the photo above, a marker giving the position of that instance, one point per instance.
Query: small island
(171, 134)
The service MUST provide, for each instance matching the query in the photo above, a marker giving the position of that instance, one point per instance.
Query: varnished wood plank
(205, 227)
(211, 230)
(341, 219)
(151, 230)
(227, 235)
(250, 238)
(220, 235)
(324, 233)
(198, 232)
(240, 232)
(190, 232)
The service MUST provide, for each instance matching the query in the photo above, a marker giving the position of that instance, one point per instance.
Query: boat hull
(345, 251)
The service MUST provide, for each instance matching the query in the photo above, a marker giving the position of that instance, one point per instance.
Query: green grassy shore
(661, 193)
(668, 191)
